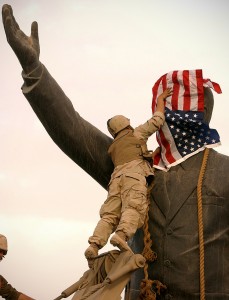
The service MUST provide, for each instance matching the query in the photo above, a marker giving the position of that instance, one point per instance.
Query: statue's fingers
(9, 21)
(9, 30)
(15, 22)
(34, 31)
(5, 13)
(6, 8)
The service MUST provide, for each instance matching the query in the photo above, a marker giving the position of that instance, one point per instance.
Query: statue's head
(117, 123)
(208, 104)
(187, 116)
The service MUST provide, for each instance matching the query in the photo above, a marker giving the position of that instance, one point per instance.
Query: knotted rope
(147, 285)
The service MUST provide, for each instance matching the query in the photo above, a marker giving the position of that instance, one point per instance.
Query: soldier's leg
(110, 215)
(134, 204)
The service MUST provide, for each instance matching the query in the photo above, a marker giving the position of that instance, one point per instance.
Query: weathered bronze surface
(173, 211)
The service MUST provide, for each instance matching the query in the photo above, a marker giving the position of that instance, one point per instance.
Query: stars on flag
(189, 131)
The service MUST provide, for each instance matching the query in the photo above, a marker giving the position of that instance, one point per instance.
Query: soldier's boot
(91, 251)
(119, 240)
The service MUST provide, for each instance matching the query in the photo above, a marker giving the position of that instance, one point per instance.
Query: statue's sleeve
(81, 141)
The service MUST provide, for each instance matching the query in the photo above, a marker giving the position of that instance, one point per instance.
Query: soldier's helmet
(117, 123)
(3, 243)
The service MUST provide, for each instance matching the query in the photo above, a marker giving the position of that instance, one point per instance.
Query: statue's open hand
(26, 48)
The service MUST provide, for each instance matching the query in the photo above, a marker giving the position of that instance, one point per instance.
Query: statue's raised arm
(80, 140)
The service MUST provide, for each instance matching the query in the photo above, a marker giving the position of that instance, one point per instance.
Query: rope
(147, 251)
(200, 223)
(147, 285)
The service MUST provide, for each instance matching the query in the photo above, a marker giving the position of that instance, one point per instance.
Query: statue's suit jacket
(174, 228)
(173, 213)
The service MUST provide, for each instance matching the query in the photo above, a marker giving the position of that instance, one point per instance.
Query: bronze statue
(173, 220)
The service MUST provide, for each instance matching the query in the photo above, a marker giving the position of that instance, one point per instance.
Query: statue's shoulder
(217, 155)
(218, 161)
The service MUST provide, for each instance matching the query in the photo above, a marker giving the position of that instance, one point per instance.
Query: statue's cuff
(33, 77)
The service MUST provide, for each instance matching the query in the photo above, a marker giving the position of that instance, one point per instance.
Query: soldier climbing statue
(124, 210)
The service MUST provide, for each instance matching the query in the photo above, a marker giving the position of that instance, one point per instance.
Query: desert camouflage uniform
(125, 207)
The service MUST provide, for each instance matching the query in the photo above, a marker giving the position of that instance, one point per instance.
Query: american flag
(184, 132)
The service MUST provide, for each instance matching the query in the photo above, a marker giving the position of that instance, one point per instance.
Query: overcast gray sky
(106, 55)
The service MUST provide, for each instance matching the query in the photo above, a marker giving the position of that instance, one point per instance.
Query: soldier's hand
(167, 92)
(156, 152)
(26, 48)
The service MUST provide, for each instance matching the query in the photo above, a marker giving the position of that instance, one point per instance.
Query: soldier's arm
(154, 124)
(145, 130)
(24, 297)
(10, 293)
(161, 100)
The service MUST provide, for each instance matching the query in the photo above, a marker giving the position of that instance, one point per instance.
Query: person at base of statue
(6, 290)
(124, 210)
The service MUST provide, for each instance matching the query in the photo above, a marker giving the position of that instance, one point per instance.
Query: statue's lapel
(160, 195)
(185, 180)
(174, 187)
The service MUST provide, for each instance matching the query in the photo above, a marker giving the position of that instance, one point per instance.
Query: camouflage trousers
(124, 209)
